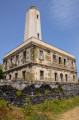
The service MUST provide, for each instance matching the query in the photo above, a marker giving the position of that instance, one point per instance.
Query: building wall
(45, 64)
(49, 74)
(47, 59)
(12, 60)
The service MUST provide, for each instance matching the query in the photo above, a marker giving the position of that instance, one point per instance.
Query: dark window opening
(55, 76)
(37, 16)
(64, 61)
(54, 58)
(5, 77)
(38, 35)
(61, 77)
(16, 76)
(23, 75)
(11, 60)
(60, 61)
(73, 77)
(66, 77)
(41, 75)
(6, 62)
(10, 77)
(24, 55)
(72, 63)
(17, 59)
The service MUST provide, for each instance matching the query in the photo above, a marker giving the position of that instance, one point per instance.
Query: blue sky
(59, 24)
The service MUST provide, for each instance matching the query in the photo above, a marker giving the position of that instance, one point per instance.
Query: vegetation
(18, 93)
(47, 92)
(49, 110)
(38, 94)
(27, 107)
(1, 74)
(1, 66)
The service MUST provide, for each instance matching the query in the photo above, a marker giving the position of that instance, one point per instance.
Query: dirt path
(70, 115)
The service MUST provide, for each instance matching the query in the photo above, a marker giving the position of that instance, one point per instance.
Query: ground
(70, 115)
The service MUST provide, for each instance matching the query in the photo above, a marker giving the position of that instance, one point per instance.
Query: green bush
(38, 94)
(1, 74)
(18, 93)
(47, 92)
(2, 104)
(55, 90)
(10, 107)
(27, 107)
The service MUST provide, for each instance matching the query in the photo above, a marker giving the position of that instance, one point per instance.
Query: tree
(1, 74)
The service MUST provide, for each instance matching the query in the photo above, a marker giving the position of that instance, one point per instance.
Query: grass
(49, 110)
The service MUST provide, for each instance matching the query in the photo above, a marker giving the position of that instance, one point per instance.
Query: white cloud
(64, 12)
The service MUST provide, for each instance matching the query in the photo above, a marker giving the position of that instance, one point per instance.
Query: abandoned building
(35, 60)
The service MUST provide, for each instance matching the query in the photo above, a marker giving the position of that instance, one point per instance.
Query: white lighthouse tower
(32, 24)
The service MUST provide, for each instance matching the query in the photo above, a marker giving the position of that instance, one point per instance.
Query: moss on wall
(29, 76)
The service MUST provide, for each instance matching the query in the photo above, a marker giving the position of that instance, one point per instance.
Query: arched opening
(61, 77)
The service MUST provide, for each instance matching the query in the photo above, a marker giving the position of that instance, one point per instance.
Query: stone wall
(8, 91)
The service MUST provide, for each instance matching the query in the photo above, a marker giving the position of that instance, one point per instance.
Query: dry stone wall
(48, 91)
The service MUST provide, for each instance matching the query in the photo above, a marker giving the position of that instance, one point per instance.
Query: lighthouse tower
(32, 24)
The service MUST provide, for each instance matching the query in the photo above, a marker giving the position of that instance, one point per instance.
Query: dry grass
(49, 110)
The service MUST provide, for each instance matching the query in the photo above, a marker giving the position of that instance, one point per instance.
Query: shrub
(27, 107)
(18, 93)
(38, 94)
(2, 104)
(55, 90)
(60, 88)
(10, 107)
(47, 92)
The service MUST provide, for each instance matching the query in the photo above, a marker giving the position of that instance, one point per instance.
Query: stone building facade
(35, 60)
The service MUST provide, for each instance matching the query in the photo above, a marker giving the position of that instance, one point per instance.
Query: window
(38, 35)
(11, 60)
(37, 16)
(60, 61)
(16, 76)
(66, 77)
(24, 55)
(10, 77)
(73, 77)
(54, 58)
(41, 55)
(17, 59)
(55, 76)
(23, 75)
(6, 62)
(5, 77)
(61, 77)
(72, 63)
(41, 75)
(64, 61)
